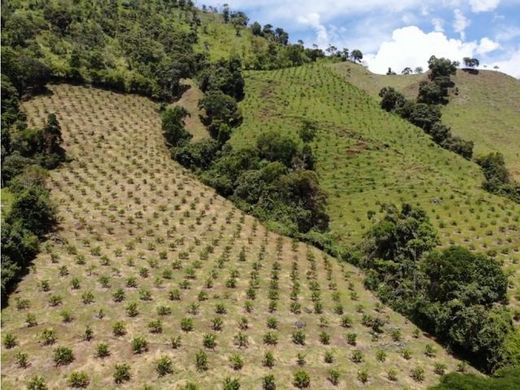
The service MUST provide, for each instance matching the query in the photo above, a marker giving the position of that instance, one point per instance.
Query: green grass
(367, 157)
(7, 200)
(130, 216)
(485, 108)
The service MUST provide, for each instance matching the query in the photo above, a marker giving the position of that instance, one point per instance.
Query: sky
(399, 33)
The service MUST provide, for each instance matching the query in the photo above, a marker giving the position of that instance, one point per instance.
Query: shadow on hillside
(470, 71)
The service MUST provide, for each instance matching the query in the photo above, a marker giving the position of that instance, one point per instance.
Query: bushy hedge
(457, 295)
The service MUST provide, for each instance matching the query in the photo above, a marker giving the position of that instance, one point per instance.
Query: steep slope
(485, 107)
(367, 157)
(137, 228)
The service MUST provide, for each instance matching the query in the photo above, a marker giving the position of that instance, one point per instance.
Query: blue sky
(399, 33)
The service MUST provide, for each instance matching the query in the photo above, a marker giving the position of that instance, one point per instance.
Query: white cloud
(460, 23)
(438, 24)
(313, 20)
(486, 45)
(510, 66)
(483, 5)
(412, 47)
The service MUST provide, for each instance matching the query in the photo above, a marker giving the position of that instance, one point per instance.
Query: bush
(102, 350)
(173, 126)
(164, 366)
(139, 345)
(417, 374)
(63, 356)
(79, 379)
(231, 384)
(10, 341)
(187, 324)
(333, 376)
(22, 359)
(236, 361)
(121, 373)
(37, 383)
(201, 361)
(209, 341)
(298, 337)
(362, 376)
(301, 379)
(504, 379)
(268, 382)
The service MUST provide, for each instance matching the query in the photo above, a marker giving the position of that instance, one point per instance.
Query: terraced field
(367, 157)
(148, 266)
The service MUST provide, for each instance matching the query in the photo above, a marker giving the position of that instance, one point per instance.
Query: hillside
(484, 109)
(137, 228)
(367, 157)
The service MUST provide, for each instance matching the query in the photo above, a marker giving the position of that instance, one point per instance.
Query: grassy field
(485, 108)
(7, 199)
(142, 242)
(367, 157)
(190, 101)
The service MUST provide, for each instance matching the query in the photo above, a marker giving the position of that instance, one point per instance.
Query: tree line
(454, 294)
(274, 180)
(425, 112)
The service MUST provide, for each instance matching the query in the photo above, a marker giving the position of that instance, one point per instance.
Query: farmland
(367, 157)
(144, 251)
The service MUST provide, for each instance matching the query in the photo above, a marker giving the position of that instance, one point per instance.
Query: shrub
(175, 342)
(236, 361)
(268, 382)
(268, 360)
(102, 350)
(357, 356)
(328, 357)
(417, 374)
(201, 361)
(231, 384)
(333, 376)
(324, 338)
(439, 368)
(37, 383)
(187, 324)
(121, 373)
(10, 341)
(22, 359)
(209, 341)
(270, 338)
(155, 326)
(362, 375)
(272, 323)
(119, 329)
(63, 356)
(301, 379)
(79, 379)
(351, 338)
(164, 366)
(298, 337)
(392, 375)
(139, 345)
(300, 359)
(48, 336)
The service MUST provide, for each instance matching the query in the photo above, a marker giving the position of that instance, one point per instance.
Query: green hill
(136, 229)
(484, 108)
(367, 157)
(151, 279)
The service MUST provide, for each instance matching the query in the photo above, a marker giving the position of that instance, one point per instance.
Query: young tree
(356, 55)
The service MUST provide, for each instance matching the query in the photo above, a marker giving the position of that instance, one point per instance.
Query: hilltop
(484, 106)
